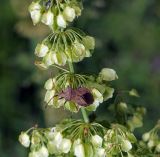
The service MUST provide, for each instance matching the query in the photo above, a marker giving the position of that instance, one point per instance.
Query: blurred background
(127, 40)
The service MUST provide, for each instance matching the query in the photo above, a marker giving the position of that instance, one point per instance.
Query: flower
(35, 12)
(151, 143)
(146, 136)
(65, 145)
(79, 150)
(49, 84)
(100, 152)
(43, 152)
(49, 97)
(69, 14)
(24, 139)
(61, 21)
(59, 58)
(107, 74)
(48, 60)
(126, 145)
(33, 154)
(158, 148)
(96, 141)
(48, 18)
(41, 50)
(89, 42)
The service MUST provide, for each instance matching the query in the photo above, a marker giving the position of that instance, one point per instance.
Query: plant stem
(84, 113)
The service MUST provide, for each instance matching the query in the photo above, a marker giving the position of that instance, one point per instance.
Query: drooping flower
(126, 145)
(69, 14)
(61, 21)
(48, 18)
(96, 141)
(41, 50)
(24, 139)
(79, 150)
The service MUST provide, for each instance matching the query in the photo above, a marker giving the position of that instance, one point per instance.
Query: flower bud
(48, 60)
(69, 14)
(146, 136)
(48, 18)
(41, 50)
(24, 139)
(126, 145)
(58, 139)
(97, 95)
(35, 12)
(107, 74)
(79, 150)
(43, 152)
(65, 145)
(97, 141)
(52, 149)
(61, 21)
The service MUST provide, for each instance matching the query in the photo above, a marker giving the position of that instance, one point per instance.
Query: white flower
(33, 154)
(97, 140)
(43, 152)
(89, 42)
(65, 145)
(61, 21)
(48, 18)
(35, 12)
(97, 95)
(52, 147)
(49, 84)
(69, 14)
(146, 136)
(41, 50)
(100, 152)
(79, 150)
(48, 60)
(24, 139)
(49, 97)
(108, 74)
(158, 148)
(151, 143)
(59, 58)
(126, 145)
(58, 139)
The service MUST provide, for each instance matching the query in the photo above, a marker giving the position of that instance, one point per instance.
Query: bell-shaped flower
(34, 154)
(41, 50)
(58, 139)
(49, 84)
(126, 145)
(59, 58)
(35, 12)
(48, 60)
(49, 97)
(43, 152)
(96, 141)
(151, 144)
(24, 139)
(100, 152)
(69, 14)
(79, 150)
(107, 74)
(89, 42)
(65, 145)
(48, 18)
(61, 21)
(146, 136)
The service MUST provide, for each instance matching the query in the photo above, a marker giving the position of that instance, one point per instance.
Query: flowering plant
(81, 92)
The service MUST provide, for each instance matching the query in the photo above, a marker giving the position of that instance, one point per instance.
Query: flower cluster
(152, 138)
(54, 13)
(73, 91)
(62, 47)
(79, 139)
(118, 140)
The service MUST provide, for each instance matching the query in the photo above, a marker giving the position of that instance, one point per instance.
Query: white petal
(61, 21)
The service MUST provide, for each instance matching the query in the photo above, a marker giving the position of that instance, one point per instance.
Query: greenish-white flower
(41, 50)
(34, 154)
(48, 60)
(65, 145)
(59, 58)
(158, 148)
(52, 148)
(35, 12)
(146, 136)
(43, 152)
(97, 95)
(48, 18)
(151, 143)
(49, 97)
(79, 150)
(24, 139)
(58, 139)
(126, 145)
(89, 42)
(96, 141)
(50, 83)
(69, 14)
(100, 152)
(61, 21)
(107, 74)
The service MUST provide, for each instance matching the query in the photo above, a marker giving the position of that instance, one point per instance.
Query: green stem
(84, 113)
